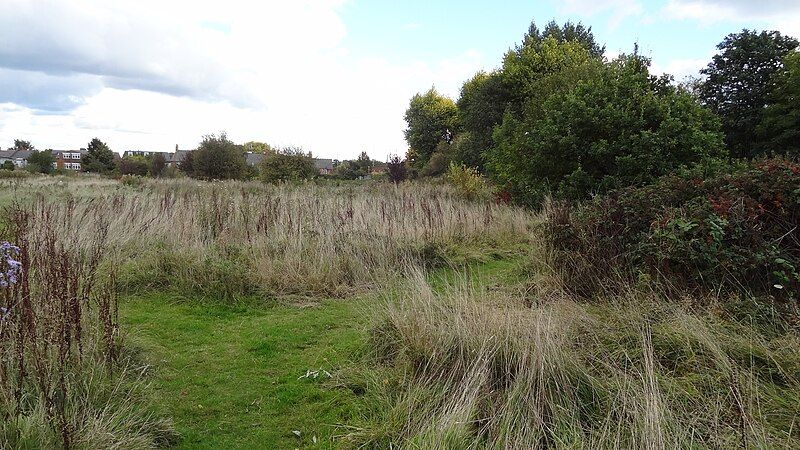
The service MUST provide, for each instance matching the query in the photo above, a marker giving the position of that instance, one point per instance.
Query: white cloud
(151, 74)
(619, 10)
(783, 15)
(681, 69)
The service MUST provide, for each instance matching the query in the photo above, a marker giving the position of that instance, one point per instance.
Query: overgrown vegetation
(730, 231)
(65, 380)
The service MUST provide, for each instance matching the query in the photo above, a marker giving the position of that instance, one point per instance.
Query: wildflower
(10, 267)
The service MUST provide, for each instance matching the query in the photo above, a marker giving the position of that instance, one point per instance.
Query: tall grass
(228, 239)
(63, 380)
(477, 368)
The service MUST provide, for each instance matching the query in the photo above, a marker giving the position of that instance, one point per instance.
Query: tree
(617, 127)
(186, 165)
(157, 164)
(288, 164)
(431, 119)
(99, 158)
(41, 162)
(569, 32)
(739, 82)
(779, 129)
(397, 169)
(134, 165)
(258, 147)
(481, 107)
(7, 165)
(218, 158)
(22, 145)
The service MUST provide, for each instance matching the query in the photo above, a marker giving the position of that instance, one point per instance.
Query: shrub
(288, 164)
(397, 169)
(726, 231)
(134, 165)
(132, 180)
(468, 182)
(217, 158)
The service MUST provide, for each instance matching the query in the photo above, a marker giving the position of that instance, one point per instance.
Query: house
(68, 159)
(324, 166)
(6, 156)
(145, 153)
(175, 159)
(18, 157)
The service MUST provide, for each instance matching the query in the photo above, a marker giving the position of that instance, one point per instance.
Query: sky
(331, 76)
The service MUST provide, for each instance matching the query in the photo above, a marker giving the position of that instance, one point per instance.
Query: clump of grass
(477, 368)
(63, 381)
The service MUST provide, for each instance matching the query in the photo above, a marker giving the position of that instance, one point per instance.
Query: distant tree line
(559, 118)
(216, 158)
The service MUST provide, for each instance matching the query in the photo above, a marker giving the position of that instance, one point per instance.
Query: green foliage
(258, 147)
(43, 161)
(288, 164)
(469, 183)
(431, 119)
(7, 165)
(616, 127)
(481, 107)
(134, 165)
(218, 158)
(779, 129)
(99, 158)
(729, 231)
(157, 165)
(739, 81)
(355, 169)
(439, 161)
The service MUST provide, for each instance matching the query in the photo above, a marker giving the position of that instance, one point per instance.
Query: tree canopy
(218, 158)
(41, 162)
(779, 129)
(99, 158)
(431, 119)
(739, 81)
(618, 126)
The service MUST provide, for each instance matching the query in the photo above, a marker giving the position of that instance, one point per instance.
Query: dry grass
(234, 238)
(482, 369)
(63, 381)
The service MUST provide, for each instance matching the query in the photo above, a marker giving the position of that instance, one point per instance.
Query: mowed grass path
(228, 376)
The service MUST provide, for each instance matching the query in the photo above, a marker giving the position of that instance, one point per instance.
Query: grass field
(363, 317)
(230, 377)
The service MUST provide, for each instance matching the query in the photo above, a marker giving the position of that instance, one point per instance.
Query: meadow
(189, 314)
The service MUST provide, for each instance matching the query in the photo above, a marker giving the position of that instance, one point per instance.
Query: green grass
(229, 376)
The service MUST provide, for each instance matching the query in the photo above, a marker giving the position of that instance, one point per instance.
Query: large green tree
(779, 129)
(431, 118)
(218, 158)
(99, 158)
(617, 126)
(739, 81)
(486, 97)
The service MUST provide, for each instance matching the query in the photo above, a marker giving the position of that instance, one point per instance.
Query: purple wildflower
(10, 267)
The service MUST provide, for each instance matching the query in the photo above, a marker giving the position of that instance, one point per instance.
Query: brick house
(68, 159)
(324, 166)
